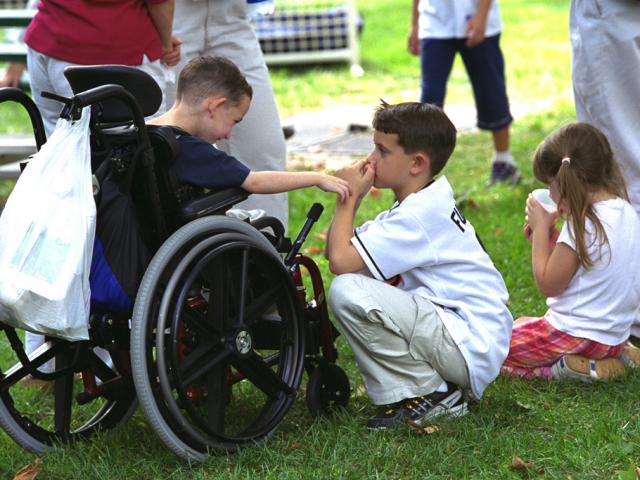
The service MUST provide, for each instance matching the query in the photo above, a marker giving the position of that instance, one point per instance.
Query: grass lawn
(585, 431)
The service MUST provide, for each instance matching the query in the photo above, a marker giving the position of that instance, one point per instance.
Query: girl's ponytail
(578, 156)
(573, 192)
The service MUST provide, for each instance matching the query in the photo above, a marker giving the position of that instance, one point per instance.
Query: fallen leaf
(375, 192)
(471, 203)
(314, 250)
(30, 472)
(498, 231)
(519, 464)
(321, 235)
(296, 445)
(420, 430)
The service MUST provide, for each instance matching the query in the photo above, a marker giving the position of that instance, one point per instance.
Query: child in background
(589, 271)
(442, 28)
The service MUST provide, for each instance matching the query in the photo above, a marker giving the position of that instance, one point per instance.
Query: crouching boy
(417, 297)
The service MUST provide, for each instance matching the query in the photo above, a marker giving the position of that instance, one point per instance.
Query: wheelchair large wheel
(217, 342)
(38, 415)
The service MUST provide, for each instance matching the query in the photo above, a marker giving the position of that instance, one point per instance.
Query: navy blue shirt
(202, 164)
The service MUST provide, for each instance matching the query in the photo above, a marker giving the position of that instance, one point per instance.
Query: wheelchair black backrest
(113, 111)
(115, 140)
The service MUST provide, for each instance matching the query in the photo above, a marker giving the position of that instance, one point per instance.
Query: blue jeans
(485, 67)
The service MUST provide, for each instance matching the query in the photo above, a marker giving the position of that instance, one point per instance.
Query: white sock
(504, 157)
(443, 387)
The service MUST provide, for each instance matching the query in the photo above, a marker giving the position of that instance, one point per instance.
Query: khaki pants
(401, 346)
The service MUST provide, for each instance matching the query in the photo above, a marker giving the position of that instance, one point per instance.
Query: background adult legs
(222, 27)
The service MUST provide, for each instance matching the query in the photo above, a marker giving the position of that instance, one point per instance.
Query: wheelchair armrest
(216, 202)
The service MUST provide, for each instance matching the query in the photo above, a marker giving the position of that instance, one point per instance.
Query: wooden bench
(14, 148)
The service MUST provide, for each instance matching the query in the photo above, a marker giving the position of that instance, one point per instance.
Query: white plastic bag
(46, 238)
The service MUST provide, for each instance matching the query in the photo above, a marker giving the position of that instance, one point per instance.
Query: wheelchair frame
(221, 331)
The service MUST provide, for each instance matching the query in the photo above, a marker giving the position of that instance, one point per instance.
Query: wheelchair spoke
(201, 362)
(262, 303)
(198, 322)
(258, 372)
(63, 391)
(242, 288)
(218, 294)
(218, 395)
(103, 371)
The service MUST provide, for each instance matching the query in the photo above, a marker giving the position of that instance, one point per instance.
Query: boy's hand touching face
(360, 176)
(341, 187)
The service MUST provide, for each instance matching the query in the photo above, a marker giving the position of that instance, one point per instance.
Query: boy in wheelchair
(218, 330)
(212, 96)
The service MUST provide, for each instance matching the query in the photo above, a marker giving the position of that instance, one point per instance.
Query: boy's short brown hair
(420, 127)
(203, 77)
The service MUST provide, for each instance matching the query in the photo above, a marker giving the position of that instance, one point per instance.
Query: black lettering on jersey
(458, 218)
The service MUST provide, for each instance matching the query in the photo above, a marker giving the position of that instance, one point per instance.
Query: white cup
(543, 196)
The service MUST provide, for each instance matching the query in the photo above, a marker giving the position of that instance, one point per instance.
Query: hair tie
(566, 160)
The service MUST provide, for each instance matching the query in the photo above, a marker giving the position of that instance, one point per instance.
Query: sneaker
(575, 367)
(418, 409)
(504, 172)
(630, 356)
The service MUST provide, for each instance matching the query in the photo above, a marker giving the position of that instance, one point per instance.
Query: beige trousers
(401, 346)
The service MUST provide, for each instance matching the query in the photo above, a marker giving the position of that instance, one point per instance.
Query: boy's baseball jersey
(432, 247)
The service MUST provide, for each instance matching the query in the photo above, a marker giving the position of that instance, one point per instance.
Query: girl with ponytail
(589, 270)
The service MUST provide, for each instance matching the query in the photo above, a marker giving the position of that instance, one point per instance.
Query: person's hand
(475, 30)
(537, 217)
(329, 183)
(171, 54)
(360, 176)
(413, 42)
(12, 75)
(554, 233)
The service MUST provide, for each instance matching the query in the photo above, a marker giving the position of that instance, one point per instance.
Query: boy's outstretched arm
(343, 256)
(278, 182)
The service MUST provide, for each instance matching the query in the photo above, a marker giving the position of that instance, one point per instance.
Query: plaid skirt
(536, 345)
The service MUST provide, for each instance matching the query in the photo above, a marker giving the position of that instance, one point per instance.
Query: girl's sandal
(575, 367)
(630, 356)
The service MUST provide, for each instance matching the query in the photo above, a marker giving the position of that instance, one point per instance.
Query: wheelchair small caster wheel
(328, 388)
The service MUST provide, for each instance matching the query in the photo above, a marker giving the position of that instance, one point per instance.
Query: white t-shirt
(449, 18)
(601, 303)
(428, 242)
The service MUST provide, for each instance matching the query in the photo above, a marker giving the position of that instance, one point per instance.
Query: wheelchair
(227, 318)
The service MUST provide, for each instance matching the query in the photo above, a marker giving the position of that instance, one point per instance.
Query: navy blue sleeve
(201, 164)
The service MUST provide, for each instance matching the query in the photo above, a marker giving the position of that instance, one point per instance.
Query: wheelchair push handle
(73, 106)
(312, 217)
(11, 94)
